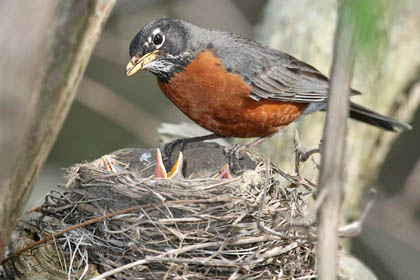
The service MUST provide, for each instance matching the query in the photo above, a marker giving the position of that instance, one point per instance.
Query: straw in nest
(136, 227)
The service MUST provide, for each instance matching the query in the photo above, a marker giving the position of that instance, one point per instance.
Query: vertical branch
(386, 85)
(68, 38)
(332, 173)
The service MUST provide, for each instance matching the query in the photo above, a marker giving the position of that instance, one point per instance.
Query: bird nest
(252, 226)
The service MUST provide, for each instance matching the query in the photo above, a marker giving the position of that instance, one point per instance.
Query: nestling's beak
(137, 63)
(176, 171)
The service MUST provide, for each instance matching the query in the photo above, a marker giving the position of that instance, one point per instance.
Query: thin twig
(260, 226)
(101, 218)
(200, 261)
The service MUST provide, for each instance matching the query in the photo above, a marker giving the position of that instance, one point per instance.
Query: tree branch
(332, 172)
(69, 33)
(384, 82)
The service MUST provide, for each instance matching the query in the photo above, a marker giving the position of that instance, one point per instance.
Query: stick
(332, 174)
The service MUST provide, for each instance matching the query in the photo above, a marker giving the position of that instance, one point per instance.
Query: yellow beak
(137, 63)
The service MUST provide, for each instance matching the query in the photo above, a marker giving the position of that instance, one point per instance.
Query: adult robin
(233, 86)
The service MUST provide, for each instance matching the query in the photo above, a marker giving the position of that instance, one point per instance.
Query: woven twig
(247, 227)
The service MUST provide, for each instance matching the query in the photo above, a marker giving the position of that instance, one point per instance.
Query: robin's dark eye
(157, 39)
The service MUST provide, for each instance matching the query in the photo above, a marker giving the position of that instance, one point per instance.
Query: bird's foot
(235, 150)
(235, 154)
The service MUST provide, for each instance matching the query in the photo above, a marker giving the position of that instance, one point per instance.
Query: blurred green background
(103, 119)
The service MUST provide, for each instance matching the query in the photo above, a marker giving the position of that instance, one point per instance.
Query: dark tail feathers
(362, 114)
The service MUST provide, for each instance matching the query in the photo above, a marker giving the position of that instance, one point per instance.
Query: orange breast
(219, 101)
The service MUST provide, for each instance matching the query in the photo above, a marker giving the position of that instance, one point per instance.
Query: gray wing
(272, 74)
(289, 80)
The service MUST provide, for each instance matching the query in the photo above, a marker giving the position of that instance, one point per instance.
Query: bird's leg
(169, 147)
(256, 142)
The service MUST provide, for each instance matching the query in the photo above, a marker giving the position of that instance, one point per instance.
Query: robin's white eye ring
(158, 39)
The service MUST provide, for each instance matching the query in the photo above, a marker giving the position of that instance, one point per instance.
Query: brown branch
(57, 63)
(332, 172)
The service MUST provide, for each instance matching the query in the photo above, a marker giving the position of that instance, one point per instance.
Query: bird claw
(176, 171)
(236, 150)
(234, 154)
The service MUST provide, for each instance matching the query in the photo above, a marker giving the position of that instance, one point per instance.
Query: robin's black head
(161, 47)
